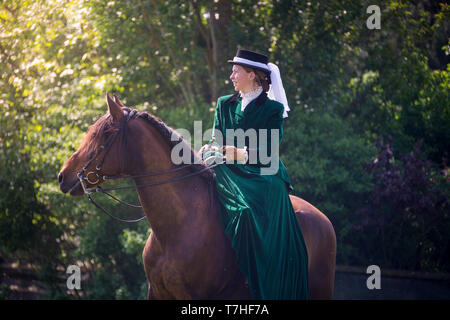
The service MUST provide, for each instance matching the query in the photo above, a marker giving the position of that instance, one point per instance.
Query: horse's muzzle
(71, 186)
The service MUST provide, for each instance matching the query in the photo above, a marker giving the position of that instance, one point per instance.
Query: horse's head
(99, 152)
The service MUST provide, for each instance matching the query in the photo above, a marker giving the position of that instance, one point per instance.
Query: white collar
(249, 96)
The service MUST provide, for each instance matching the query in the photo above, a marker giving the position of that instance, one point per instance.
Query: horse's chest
(164, 273)
(168, 282)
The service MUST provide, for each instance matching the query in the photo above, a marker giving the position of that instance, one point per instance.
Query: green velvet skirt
(258, 217)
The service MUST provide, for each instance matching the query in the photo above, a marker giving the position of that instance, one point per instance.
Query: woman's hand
(202, 149)
(232, 153)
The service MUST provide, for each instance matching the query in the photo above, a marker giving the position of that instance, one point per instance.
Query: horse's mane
(105, 125)
(168, 133)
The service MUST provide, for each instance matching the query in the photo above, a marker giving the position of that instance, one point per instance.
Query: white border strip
(252, 63)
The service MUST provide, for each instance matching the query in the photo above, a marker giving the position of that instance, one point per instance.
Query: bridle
(94, 176)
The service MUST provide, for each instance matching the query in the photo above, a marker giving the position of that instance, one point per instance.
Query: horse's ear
(114, 109)
(116, 99)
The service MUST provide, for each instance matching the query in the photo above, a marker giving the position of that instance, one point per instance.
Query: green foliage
(347, 86)
(113, 251)
(408, 194)
(326, 161)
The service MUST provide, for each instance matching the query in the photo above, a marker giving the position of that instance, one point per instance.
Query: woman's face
(242, 80)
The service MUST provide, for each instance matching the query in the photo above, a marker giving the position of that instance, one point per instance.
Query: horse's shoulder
(306, 211)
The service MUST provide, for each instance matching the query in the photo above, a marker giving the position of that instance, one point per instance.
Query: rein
(93, 177)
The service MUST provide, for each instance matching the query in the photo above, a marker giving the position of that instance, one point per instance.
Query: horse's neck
(175, 208)
(185, 225)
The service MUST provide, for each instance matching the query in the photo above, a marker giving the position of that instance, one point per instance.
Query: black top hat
(251, 59)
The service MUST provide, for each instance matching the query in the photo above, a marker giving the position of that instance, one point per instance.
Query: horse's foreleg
(150, 293)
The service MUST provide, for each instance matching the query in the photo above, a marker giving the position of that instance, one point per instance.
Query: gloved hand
(206, 147)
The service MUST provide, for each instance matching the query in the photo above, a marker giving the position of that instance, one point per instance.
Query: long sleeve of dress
(266, 149)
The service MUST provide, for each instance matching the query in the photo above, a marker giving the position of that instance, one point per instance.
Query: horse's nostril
(60, 178)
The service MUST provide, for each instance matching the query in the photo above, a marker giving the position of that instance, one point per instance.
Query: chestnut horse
(187, 255)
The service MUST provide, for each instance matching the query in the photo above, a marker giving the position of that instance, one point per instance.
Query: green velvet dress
(256, 212)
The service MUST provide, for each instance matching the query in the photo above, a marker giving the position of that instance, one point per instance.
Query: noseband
(94, 176)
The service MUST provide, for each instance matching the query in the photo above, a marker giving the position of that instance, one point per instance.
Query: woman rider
(253, 188)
